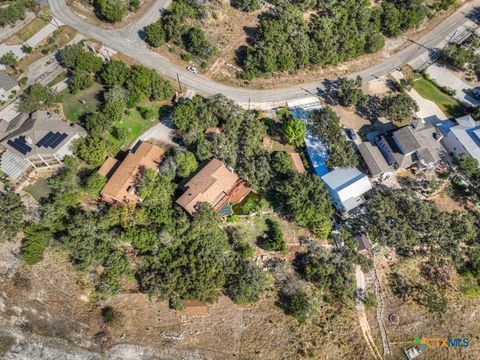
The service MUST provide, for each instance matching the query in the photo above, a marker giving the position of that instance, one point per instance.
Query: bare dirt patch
(350, 119)
(445, 202)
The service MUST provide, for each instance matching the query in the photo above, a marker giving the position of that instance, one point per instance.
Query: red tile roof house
(123, 175)
(214, 184)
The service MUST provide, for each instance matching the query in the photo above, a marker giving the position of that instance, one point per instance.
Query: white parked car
(192, 69)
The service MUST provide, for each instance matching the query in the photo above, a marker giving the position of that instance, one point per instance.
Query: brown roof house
(214, 184)
(123, 175)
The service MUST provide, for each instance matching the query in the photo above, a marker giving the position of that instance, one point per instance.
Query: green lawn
(74, 106)
(134, 125)
(445, 102)
(39, 189)
(60, 77)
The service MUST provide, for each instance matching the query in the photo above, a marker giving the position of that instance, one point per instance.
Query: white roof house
(347, 187)
(462, 138)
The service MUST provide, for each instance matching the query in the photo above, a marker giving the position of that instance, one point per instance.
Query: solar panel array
(20, 144)
(52, 139)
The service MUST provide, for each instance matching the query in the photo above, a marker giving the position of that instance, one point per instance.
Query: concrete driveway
(446, 77)
(162, 132)
(428, 109)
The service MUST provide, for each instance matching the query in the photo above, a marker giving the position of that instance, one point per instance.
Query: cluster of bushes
(114, 10)
(417, 228)
(462, 56)
(172, 28)
(127, 86)
(325, 124)
(343, 30)
(15, 10)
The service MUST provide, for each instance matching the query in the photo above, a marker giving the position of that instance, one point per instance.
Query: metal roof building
(347, 187)
(462, 138)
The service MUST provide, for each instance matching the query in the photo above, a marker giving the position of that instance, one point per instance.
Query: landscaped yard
(39, 189)
(74, 106)
(60, 77)
(134, 125)
(445, 102)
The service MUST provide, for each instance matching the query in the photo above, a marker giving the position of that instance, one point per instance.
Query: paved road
(128, 41)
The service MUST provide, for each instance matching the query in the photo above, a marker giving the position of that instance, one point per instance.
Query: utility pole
(179, 83)
(249, 104)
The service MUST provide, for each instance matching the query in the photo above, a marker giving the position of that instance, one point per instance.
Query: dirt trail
(362, 317)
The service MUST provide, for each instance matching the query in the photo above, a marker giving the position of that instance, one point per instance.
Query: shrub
(274, 237)
(34, 243)
(95, 184)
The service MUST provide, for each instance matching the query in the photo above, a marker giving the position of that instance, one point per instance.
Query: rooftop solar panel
(45, 139)
(20, 144)
(57, 139)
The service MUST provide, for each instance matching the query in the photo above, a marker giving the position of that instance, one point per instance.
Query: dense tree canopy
(246, 5)
(111, 10)
(11, 215)
(402, 221)
(37, 97)
(186, 163)
(115, 72)
(398, 108)
(154, 34)
(15, 10)
(193, 266)
(246, 282)
(147, 83)
(325, 124)
(295, 131)
(350, 92)
(305, 199)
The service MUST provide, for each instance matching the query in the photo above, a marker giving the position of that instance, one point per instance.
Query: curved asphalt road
(128, 41)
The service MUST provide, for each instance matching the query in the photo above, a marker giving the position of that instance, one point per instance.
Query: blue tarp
(317, 149)
(445, 126)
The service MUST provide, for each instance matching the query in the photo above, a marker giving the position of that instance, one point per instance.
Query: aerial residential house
(216, 185)
(8, 86)
(412, 145)
(347, 187)
(41, 139)
(373, 159)
(123, 175)
(462, 137)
